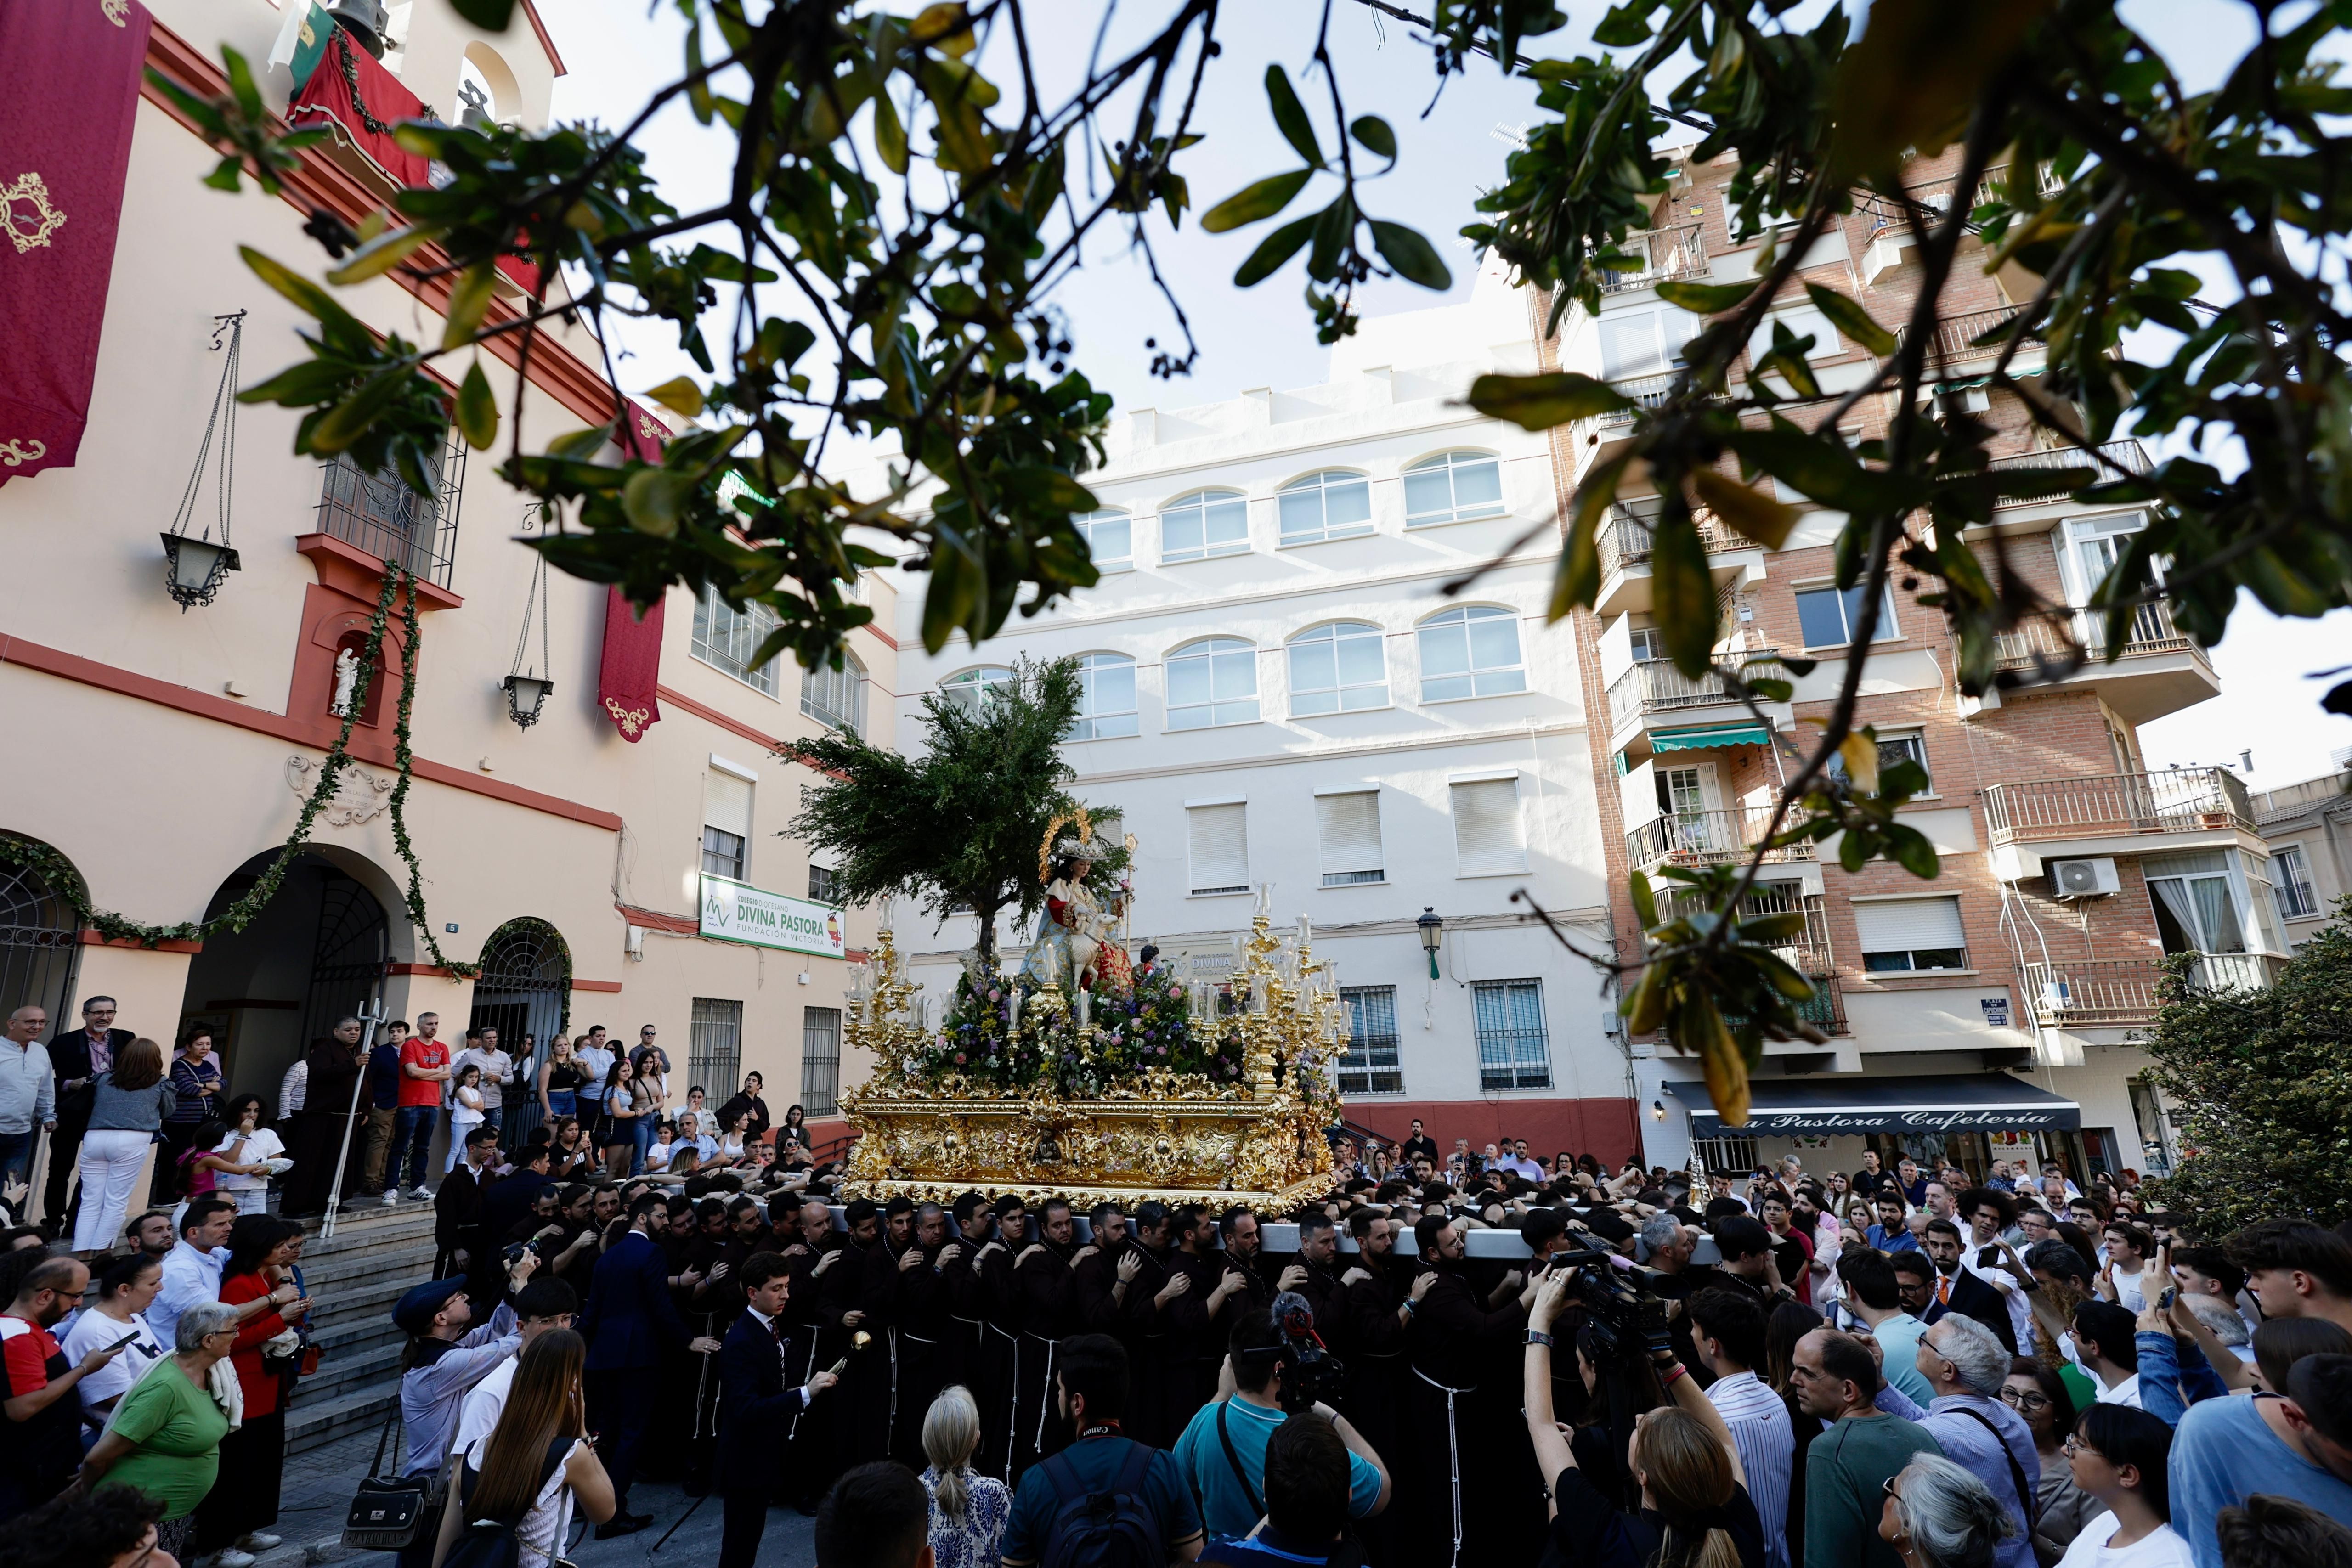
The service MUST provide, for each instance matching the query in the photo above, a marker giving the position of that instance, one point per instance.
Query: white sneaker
(259, 1540)
(391, 1197)
(421, 1195)
(230, 1557)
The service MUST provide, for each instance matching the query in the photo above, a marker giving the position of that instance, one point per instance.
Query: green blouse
(176, 1429)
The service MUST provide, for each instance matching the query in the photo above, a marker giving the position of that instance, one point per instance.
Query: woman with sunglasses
(2041, 1399)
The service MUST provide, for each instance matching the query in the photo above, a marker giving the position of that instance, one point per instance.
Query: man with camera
(1273, 1368)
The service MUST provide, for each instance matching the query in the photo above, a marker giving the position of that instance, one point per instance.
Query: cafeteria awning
(1987, 1102)
(1703, 740)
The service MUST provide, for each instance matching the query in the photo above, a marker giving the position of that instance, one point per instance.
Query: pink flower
(959, 1058)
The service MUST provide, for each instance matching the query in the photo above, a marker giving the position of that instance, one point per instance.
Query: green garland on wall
(66, 881)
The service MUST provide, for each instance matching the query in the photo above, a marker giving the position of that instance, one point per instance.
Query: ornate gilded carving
(1173, 1136)
(25, 213)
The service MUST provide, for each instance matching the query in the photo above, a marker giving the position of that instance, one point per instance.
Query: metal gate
(524, 992)
(40, 942)
(349, 958)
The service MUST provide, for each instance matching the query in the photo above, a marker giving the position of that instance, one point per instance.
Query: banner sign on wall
(1839, 1104)
(738, 912)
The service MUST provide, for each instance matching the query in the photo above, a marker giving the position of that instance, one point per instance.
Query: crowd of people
(1454, 1359)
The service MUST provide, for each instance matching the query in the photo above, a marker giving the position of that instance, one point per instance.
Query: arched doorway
(524, 992)
(317, 951)
(40, 940)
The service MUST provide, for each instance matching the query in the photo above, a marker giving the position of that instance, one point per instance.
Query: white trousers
(109, 1163)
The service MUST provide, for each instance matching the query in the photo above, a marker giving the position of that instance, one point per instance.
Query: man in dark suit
(504, 1204)
(1955, 1290)
(458, 1207)
(758, 1405)
(629, 1316)
(76, 1059)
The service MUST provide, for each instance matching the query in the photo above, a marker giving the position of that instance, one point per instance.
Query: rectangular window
(727, 640)
(824, 884)
(1110, 539)
(1828, 615)
(1514, 1051)
(1643, 342)
(1488, 838)
(1901, 936)
(819, 1060)
(1368, 1065)
(1349, 826)
(726, 824)
(1902, 746)
(2297, 899)
(714, 1049)
(1220, 848)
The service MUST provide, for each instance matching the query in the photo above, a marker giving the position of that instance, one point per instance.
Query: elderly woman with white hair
(1938, 1515)
(164, 1437)
(1966, 1364)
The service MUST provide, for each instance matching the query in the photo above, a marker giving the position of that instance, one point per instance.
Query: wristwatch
(1537, 1336)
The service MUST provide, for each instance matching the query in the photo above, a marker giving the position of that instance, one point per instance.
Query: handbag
(391, 1514)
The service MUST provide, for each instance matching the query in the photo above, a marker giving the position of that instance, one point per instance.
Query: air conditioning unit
(2084, 878)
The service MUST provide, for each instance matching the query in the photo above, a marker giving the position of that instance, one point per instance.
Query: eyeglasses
(2024, 1400)
(1887, 1486)
(2074, 1445)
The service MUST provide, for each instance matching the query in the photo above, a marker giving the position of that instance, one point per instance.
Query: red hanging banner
(629, 677)
(351, 91)
(65, 147)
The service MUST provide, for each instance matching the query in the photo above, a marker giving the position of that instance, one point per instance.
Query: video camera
(1310, 1373)
(1624, 1314)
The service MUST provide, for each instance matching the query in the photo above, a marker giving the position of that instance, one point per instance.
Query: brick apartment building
(1994, 1012)
(2309, 826)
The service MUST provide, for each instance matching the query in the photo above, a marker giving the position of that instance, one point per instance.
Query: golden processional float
(1088, 1077)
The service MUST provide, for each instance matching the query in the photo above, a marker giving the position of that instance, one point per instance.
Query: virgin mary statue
(1074, 940)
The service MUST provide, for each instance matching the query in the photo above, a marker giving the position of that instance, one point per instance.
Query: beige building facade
(165, 754)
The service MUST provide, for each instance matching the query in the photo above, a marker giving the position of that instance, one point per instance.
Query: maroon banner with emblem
(629, 677)
(351, 90)
(65, 147)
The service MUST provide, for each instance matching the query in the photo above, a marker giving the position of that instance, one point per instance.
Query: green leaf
(889, 133)
(1908, 87)
(1251, 202)
(679, 394)
(580, 444)
(1290, 115)
(1577, 581)
(1912, 852)
(1273, 251)
(306, 295)
(1705, 299)
(240, 82)
(944, 28)
(349, 420)
(1541, 401)
(490, 15)
(1682, 593)
(1860, 754)
(1373, 134)
(382, 254)
(1750, 512)
(470, 301)
(478, 411)
(1768, 928)
(654, 500)
(1414, 256)
(1624, 26)
(1851, 318)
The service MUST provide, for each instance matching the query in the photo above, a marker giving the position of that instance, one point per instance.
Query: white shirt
(2159, 1548)
(191, 1276)
(93, 1330)
(259, 1144)
(293, 1088)
(599, 1065)
(2128, 1292)
(496, 1068)
(2124, 1393)
(485, 1403)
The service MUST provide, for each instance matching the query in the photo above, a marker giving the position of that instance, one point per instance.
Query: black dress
(1591, 1532)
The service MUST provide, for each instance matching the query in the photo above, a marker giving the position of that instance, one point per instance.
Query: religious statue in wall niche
(347, 680)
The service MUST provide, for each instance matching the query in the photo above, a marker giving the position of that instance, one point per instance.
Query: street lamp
(193, 569)
(1657, 1109)
(1432, 930)
(525, 695)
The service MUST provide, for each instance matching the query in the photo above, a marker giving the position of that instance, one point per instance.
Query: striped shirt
(1765, 1442)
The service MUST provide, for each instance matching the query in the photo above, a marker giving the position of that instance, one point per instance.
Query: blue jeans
(559, 1102)
(16, 1154)
(411, 1142)
(645, 1128)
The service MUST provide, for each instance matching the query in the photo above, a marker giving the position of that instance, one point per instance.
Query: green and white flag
(302, 41)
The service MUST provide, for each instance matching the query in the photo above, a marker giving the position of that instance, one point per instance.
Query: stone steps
(376, 1255)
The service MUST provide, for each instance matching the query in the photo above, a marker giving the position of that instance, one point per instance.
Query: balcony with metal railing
(1661, 253)
(1646, 391)
(1654, 685)
(2124, 992)
(1936, 196)
(379, 514)
(2208, 803)
(1955, 335)
(1629, 536)
(1708, 838)
(2042, 644)
(2127, 455)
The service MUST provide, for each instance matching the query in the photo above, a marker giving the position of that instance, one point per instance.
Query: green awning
(1703, 740)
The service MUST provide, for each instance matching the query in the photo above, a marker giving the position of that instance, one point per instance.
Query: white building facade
(1281, 696)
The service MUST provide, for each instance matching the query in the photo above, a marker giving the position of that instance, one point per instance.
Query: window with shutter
(726, 824)
(1487, 838)
(1220, 848)
(1900, 934)
(1514, 1047)
(1350, 828)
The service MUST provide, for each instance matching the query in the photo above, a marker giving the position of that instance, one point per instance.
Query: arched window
(1212, 682)
(1111, 536)
(1332, 505)
(1453, 487)
(971, 687)
(836, 697)
(1338, 668)
(1106, 698)
(1211, 522)
(1471, 650)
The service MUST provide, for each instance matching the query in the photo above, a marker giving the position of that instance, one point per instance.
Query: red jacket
(260, 1386)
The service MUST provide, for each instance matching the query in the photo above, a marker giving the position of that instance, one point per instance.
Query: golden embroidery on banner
(29, 230)
(16, 454)
(630, 719)
(115, 11)
(1170, 1136)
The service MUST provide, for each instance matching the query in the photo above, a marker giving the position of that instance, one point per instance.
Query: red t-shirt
(421, 1054)
(44, 1445)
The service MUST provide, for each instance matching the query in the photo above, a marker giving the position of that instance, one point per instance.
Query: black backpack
(491, 1542)
(1114, 1528)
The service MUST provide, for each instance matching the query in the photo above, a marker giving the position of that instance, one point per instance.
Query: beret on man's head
(414, 1313)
